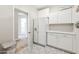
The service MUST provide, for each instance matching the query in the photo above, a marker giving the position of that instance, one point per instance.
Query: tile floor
(42, 50)
(46, 50)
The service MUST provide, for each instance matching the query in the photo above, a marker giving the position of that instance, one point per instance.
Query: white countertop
(61, 32)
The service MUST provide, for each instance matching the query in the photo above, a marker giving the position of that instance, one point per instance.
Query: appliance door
(43, 26)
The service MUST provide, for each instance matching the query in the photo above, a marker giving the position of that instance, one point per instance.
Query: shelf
(60, 23)
(61, 32)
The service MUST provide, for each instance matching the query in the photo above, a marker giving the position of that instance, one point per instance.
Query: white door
(43, 25)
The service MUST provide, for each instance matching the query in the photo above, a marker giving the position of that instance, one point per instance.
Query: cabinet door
(75, 14)
(74, 43)
(65, 16)
(77, 38)
(53, 18)
(51, 39)
(43, 25)
(65, 42)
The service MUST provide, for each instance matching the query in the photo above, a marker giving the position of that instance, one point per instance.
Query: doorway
(20, 29)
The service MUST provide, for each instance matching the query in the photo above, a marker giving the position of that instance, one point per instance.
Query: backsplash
(61, 27)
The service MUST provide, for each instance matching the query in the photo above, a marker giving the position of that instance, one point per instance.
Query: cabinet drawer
(52, 35)
(65, 43)
(59, 35)
(51, 39)
(69, 36)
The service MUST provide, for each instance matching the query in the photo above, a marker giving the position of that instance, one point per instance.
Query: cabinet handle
(29, 32)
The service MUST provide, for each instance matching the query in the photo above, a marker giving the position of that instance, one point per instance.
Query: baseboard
(39, 44)
(61, 49)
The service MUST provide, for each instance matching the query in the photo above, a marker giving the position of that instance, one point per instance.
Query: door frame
(16, 11)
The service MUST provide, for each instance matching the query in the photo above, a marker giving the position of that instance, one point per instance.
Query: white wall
(43, 12)
(58, 8)
(6, 23)
(32, 14)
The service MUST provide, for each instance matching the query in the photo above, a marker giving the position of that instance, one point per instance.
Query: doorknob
(29, 32)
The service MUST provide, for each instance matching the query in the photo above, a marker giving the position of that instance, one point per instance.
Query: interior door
(43, 25)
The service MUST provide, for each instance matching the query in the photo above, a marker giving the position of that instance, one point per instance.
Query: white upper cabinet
(53, 18)
(63, 16)
(75, 15)
(43, 12)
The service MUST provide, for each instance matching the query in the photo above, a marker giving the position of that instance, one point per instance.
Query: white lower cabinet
(62, 40)
(77, 46)
(52, 39)
(74, 44)
(65, 42)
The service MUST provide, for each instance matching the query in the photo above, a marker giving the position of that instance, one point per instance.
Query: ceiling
(40, 6)
(44, 6)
